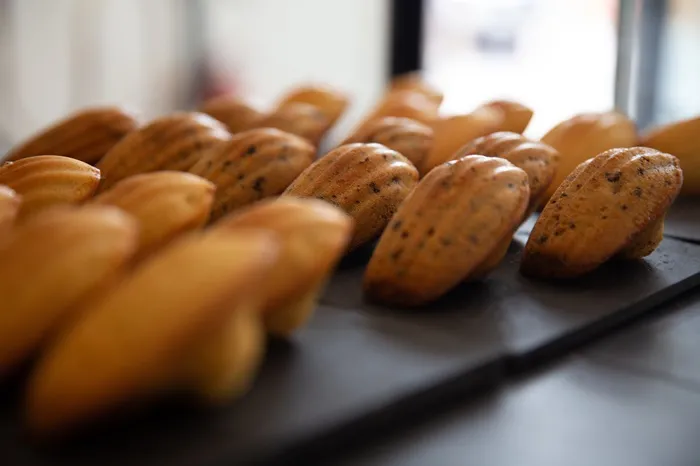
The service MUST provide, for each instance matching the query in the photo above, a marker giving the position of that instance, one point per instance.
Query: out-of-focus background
(559, 57)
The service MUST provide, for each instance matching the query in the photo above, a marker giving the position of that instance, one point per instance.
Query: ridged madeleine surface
(452, 133)
(604, 208)
(681, 139)
(313, 236)
(408, 137)
(453, 222)
(298, 118)
(50, 265)
(86, 135)
(10, 203)
(330, 101)
(166, 204)
(516, 116)
(233, 112)
(536, 158)
(255, 164)
(47, 180)
(168, 324)
(368, 181)
(584, 136)
(173, 142)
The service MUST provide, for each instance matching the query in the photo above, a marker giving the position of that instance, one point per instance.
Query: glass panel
(557, 57)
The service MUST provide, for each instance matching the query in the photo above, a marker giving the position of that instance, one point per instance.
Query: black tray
(359, 369)
(683, 219)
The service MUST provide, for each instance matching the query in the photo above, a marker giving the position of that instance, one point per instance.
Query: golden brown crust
(166, 310)
(536, 158)
(50, 265)
(165, 204)
(86, 135)
(600, 209)
(255, 164)
(330, 101)
(451, 223)
(680, 139)
(298, 118)
(414, 82)
(10, 203)
(407, 104)
(47, 180)
(516, 116)
(452, 133)
(368, 181)
(409, 138)
(233, 112)
(173, 142)
(584, 136)
(314, 235)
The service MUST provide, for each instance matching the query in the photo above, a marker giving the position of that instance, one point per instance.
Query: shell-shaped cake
(536, 158)
(255, 164)
(233, 112)
(313, 237)
(587, 135)
(368, 181)
(516, 116)
(447, 230)
(187, 318)
(681, 139)
(165, 204)
(47, 180)
(52, 263)
(611, 205)
(330, 101)
(173, 142)
(10, 203)
(298, 118)
(410, 138)
(86, 135)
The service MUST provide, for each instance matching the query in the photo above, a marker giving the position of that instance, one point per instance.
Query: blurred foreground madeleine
(253, 165)
(188, 320)
(682, 139)
(368, 181)
(233, 112)
(584, 136)
(86, 135)
(51, 265)
(45, 181)
(165, 204)
(173, 142)
(314, 236)
(455, 225)
(612, 205)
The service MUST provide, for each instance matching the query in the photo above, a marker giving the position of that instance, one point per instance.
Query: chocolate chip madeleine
(298, 118)
(173, 142)
(186, 319)
(611, 205)
(233, 112)
(453, 226)
(537, 159)
(48, 180)
(584, 136)
(255, 164)
(408, 137)
(313, 236)
(50, 265)
(165, 204)
(86, 135)
(330, 101)
(368, 181)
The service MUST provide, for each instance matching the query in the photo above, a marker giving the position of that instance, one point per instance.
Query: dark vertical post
(653, 22)
(406, 35)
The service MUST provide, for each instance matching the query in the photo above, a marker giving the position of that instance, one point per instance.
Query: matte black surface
(581, 413)
(528, 318)
(683, 219)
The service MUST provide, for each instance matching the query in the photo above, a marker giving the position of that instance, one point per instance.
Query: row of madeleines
(141, 259)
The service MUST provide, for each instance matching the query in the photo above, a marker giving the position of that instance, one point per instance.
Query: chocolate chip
(474, 239)
(445, 241)
(511, 186)
(637, 191)
(604, 217)
(640, 171)
(572, 226)
(396, 225)
(564, 195)
(396, 254)
(227, 164)
(559, 231)
(623, 207)
(373, 186)
(396, 179)
(446, 184)
(240, 176)
(578, 186)
(258, 184)
(431, 231)
(250, 151)
(404, 234)
(542, 239)
(613, 177)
